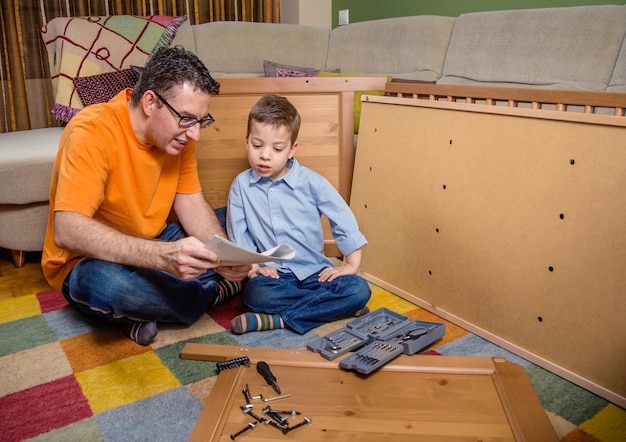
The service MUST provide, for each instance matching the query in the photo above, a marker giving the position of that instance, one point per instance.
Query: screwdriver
(265, 371)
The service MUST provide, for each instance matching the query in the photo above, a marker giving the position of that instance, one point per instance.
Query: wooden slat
(537, 97)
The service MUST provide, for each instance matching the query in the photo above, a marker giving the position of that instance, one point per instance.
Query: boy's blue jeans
(307, 304)
(123, 293)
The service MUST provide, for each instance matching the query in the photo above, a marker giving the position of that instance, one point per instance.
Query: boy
(279, 201)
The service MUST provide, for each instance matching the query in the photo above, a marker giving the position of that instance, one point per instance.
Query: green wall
(362, 10)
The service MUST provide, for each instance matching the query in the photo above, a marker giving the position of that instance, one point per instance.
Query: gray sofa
(575, 48)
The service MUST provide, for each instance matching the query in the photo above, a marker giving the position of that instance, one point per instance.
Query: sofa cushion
(618, 79)
(239, 48)
(537, 47)
(404, 47)
(26, 159)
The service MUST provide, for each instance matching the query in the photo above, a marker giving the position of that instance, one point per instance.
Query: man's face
(168, 122)
(269, 148)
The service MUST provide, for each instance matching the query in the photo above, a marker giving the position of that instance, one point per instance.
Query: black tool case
(377, 337)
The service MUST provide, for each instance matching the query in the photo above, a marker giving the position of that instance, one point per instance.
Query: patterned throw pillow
(273, 69)
(102, 87)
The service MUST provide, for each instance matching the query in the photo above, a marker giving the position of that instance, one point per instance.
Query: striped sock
(226, 290)
(248, 322)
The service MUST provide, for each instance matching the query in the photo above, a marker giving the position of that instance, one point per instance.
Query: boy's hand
(269, 271)
(331, 273)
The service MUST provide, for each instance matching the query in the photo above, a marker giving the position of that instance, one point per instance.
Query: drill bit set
(378, 337)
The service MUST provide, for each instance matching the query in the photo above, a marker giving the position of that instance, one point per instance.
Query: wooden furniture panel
(413, 398)
(326, 141)
(506, 221)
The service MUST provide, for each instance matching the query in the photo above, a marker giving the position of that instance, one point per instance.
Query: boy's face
(269, 148)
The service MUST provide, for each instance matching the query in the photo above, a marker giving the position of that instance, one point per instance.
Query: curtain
(25, 89)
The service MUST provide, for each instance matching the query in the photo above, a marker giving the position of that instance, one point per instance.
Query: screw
(248, 410)
(274, 415)
(292, 412)
(243, 430)
(276, 425)
(247, 396)
(306, 421)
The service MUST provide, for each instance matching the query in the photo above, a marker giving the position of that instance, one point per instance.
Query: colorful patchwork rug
(66, 378)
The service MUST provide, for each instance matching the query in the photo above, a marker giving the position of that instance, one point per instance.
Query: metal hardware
(232, 363)
(275, 398)
(250, 426)
(306, 421)
(276, 425)
(247, 410)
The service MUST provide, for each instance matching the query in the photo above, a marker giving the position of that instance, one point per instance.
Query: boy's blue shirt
(263, 213)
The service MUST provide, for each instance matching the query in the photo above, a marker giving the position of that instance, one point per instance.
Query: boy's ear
(294, 147)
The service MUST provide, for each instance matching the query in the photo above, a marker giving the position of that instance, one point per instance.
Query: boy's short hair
(277, 111)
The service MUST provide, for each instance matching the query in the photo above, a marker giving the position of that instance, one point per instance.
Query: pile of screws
(278, 419)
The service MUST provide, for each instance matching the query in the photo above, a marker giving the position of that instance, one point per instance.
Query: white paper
(232, 254)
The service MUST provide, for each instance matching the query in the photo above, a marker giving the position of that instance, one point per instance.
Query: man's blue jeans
(307, 304)
(123, 293)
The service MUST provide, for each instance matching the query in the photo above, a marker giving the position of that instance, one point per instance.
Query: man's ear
(148, 102)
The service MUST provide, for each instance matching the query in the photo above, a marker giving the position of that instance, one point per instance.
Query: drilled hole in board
(444, 187)
(561, 215)
(450, 141)
(551, 269)
(539, 318)
(365, 206)
(430, 273)
(572, 161)
(436, 229)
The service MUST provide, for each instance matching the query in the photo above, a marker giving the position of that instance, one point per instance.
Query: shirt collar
(290, 178)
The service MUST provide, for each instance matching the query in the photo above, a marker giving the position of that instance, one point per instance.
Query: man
(121, 168)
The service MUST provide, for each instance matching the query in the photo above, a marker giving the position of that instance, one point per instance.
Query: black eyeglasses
(184, 121)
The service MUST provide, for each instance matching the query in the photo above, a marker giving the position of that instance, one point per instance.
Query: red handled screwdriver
(265, 371)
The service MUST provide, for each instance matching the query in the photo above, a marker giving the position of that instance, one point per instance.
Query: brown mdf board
(412, 398)
(326, 139)
(509, 222)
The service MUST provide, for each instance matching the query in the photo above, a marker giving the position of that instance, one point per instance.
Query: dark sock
(248, 322)
(226, 290)
(142, 332)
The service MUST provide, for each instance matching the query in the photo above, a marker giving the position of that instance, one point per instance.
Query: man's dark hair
(168, 67)
(277, 111)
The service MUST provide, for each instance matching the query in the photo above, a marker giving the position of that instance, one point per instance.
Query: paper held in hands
(232, 254)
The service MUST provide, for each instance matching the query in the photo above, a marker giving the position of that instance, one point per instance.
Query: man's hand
(189, 259)
(234, 273)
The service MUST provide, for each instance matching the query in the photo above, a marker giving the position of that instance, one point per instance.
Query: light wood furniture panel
(326, 141)
(508, 221)
(413, 398)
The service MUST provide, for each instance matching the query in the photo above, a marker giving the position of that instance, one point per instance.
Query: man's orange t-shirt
(104, 171)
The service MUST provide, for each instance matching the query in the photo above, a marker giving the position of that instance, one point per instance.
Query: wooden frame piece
(413, 398)
(507, 221)
(326, 140)
(559, 100)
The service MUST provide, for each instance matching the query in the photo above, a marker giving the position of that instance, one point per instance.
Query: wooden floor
(26, 280)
